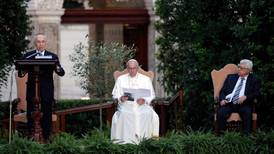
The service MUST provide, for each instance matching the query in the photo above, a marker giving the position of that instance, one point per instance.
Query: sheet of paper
(43, 57)
(137, 93)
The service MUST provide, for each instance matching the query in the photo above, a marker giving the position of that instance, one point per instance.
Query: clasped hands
(241, 100)
(140, 101)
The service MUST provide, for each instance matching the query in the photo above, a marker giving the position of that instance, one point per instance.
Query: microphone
(31, 55)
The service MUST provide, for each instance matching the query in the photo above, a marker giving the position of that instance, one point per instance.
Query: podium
(36, 66)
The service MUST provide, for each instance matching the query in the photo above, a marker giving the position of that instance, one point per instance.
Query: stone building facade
(49, 17)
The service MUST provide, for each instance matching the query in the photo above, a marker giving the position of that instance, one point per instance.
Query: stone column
(46, 18)
(152, 48)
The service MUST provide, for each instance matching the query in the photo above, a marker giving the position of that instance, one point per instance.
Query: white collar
(245, 77)
(134, 77)
(42, 52)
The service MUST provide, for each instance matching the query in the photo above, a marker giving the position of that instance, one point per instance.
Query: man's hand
(223, 102)
(123, 98)
(242, 99)
(141, 101)
(58, 68)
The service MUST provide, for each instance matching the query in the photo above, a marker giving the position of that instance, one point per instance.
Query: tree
(13, 31)
(94, 65)
(197, 36)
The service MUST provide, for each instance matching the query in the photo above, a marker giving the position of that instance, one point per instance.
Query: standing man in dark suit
(237, 95)
(46, 87)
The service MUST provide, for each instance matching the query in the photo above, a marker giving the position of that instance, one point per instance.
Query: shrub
(191, 142)
(87, 120)
(21, 145)
(65, 104)
(95, 64)
(99, 142)
(199, 36)
(14, 28)
(5, 110)
(63, 143)
(263, 142)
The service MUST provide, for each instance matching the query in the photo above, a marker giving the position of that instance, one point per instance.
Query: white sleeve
(117, 90)
(150, 87)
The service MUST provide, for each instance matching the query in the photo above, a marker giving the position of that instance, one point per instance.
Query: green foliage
(4, 110)
(87, 120)
(199, 36)
(241, 144)
(13, 30)
(63, 143)
(197, 142)
(99, 142)
(191, 142)
(3, 136)
(20, 145)
(66, 104)
(160, 146)
(95, 64)
(264, 142)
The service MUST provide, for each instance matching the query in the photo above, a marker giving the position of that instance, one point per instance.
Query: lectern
(36, 66)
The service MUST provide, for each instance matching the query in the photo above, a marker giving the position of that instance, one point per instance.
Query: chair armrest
(115, 100)
(216, 100)
(14, 105)
(254, 105)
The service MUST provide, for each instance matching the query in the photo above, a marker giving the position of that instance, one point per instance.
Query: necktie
(235, 98)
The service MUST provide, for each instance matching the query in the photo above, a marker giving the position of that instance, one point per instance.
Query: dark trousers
(46, 119)
(245, 113)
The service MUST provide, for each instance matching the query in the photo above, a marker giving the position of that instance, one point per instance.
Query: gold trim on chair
(150, 74)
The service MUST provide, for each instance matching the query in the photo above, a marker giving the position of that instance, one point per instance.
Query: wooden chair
(150, 74)
(117, 73)
(218, 78)
(20, 117)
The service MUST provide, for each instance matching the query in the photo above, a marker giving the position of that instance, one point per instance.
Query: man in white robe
(134, 120)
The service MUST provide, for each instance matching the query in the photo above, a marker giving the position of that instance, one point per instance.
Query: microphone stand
(31, 55)
(10, 102)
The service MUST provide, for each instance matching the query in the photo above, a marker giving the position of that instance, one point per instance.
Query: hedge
(182, 143)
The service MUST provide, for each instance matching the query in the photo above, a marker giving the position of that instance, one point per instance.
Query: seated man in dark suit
(237, 95)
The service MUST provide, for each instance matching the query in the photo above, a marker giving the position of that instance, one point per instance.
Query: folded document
(135, 94)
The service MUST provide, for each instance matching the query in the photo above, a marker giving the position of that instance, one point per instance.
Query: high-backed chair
(218, 78)
(150, 74)
(117, 73)
(21, 115)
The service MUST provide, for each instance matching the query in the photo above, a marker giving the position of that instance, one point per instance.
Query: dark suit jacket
(45, 77)
(251, 89)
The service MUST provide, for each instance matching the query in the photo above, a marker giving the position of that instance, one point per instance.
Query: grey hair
(133, 61)
(40, 34)
(247, 63)
(36, 35)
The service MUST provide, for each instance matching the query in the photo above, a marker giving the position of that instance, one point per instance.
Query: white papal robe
(133, 122)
